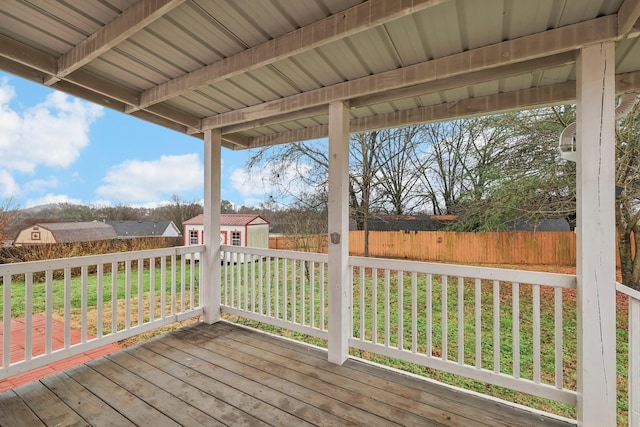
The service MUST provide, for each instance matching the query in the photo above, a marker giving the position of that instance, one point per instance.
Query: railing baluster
(244, 266)
(114, 297)
(294, 303)
(515, 325)
(163, 287)
(99, 300)
(253, 282)
(28, 315)
(496, 326)
(261, 286)
(276, 291)
(536, 333)
(6, 320)
(387, 303)
(414, 311)
(284, 289)
(444, 310)
(140, 292)
(400, 309)
(269, 286)
(67, 308)
(84, 287)
(558, 321)
(174, 272)
(478, 321)
(374, 306)
(192, 281)
(152, 288)
(183, 283)
(48, 334)
(312, 295)
(461, 320)
(127, 295)
(225, 280)
(303, 307)
(322, 298)
(429, 315)
(362, 304)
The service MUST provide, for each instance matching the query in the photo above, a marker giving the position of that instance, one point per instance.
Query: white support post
(339, 285)
(596, 256)
(212, 198)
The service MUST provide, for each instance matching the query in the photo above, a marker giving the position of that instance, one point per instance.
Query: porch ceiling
(264, 71)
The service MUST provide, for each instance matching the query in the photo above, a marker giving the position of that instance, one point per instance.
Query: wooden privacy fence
(514, 247)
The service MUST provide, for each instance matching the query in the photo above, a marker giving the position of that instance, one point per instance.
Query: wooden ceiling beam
(497, 103)
(547, 43)
(628, 16)
(119, 29)
(351, 21)
(469, 79)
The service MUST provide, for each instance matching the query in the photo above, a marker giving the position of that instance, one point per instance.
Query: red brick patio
(38, 347)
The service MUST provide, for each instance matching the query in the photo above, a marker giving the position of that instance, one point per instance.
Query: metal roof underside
(264, 72)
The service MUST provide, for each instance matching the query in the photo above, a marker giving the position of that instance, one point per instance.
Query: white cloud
(52, 198)
(39, 185)
(8, 186)
(143, 182)
(51, 133)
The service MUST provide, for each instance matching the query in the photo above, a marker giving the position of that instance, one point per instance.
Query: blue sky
(57, 148)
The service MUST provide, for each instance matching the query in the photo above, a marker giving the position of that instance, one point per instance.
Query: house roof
(263, 72)
(69, 232)
(229, 219)
(141, 228)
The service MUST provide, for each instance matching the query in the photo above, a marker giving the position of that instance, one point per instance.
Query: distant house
(64, 232)
(130, 229)
(236, 229)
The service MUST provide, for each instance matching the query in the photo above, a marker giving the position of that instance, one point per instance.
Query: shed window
(193, 237)
(35, 235)
(235, 238)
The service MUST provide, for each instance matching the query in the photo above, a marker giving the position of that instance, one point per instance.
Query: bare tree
(628, 199)
(10, 218)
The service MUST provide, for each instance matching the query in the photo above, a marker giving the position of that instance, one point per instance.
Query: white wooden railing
(481, 323)
(402, 310)
(150, 289)
(633, 354)
(285, 289)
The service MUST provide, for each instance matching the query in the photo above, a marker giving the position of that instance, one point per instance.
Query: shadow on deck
(223, 374)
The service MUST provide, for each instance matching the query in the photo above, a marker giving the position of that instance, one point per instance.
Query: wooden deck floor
(225, 375)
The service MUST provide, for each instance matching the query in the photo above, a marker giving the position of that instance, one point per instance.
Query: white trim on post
(339, 284)
(596, 259)
(212, 200)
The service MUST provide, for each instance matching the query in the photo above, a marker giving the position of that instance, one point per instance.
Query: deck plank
(352, 407)
(368, 399)
(86, 404)
(48, 407)
(165, 402)
(205, 369)
(447, 399)
(129, 405)
(342, 377)
(14, 412)
(223, 374)
(211, 397)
